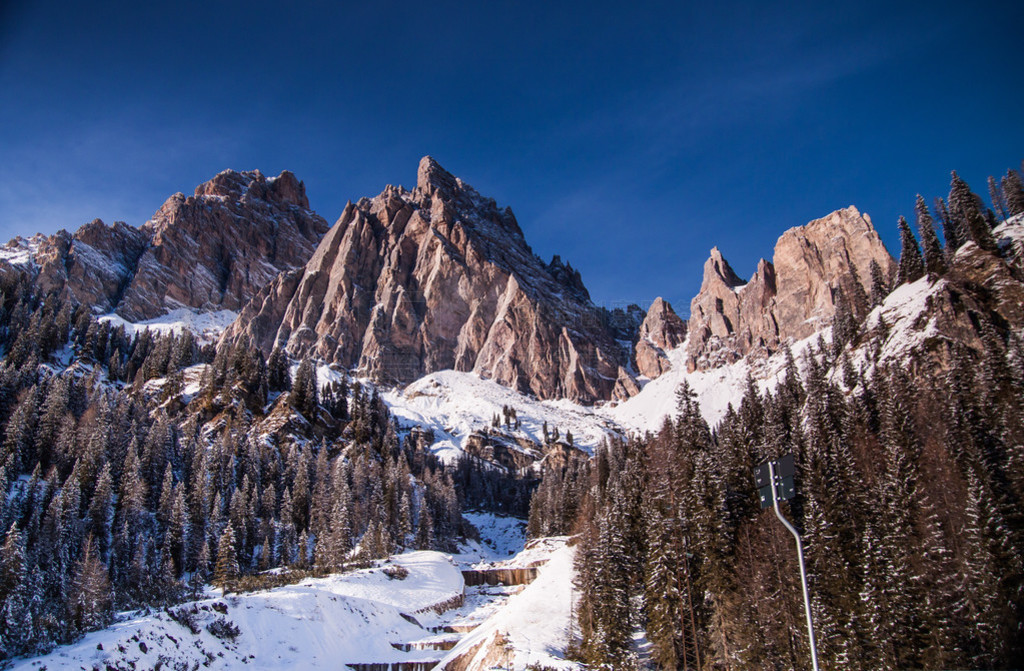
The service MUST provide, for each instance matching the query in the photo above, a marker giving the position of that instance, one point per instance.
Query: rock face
(662, 329)
(789, 299)
(210, 251)
(436, 278)
(216, 249)
(93, 265)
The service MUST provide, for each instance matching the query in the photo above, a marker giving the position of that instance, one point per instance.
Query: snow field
(318, 623)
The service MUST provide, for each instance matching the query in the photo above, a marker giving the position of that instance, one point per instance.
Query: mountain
(210, 251)
(412, 282)
(789, 299)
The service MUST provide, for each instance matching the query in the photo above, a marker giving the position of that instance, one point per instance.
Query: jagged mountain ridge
(436, 278)
(788, 299)
(210, 251)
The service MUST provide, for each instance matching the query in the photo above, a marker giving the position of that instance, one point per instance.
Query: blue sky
(629, 138)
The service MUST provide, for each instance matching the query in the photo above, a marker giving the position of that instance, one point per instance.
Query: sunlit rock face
(436, 278)
(210, 251)
(789, 299)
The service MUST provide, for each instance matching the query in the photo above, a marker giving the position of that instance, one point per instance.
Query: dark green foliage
(124, 500)
(934, 258)
(911, 266)
(965, 208)
(879, 284)
(1012, 193)
(908, 500)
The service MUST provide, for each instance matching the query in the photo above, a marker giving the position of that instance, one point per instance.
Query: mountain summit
(436, 278)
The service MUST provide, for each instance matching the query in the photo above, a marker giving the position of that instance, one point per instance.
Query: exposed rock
(500, 451)
(93, 266)
(788, 300)
(216, 249)
(662, 329)
(210, 251)
(813, 261)
(412, 282)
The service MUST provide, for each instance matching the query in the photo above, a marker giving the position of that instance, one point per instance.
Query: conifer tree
(963, 207)
(90, 606)
(1013, 193)
(226, 571)
(952, 230)
(879, 284)
(303, 395)
(934, 258)
(995, 194)
(911, 266)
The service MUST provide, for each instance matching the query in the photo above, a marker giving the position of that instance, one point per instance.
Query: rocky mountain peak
(718, 270)
(285, 189)
(431, 177)
(408, 283)
(788, 299)
(210, 251)
(661, 330)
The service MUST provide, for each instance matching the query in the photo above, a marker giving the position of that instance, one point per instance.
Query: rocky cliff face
(210, 251)
(662, 329)
(789, 299)
(412, 282)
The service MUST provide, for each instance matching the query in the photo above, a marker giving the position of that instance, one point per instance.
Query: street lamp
(774, 481)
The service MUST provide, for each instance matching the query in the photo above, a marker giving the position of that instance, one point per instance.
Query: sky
(629, 138)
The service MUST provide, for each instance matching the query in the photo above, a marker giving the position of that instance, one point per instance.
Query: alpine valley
(240, 437)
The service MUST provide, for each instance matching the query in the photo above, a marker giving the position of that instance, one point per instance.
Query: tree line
(120, 495)
(909, 501)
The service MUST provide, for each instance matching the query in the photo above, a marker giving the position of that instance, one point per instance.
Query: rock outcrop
(661, 330)
(789, 299)
(218, 248)
(210, 251)
(435, 278)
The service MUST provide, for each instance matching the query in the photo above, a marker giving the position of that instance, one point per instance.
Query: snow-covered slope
(534, 626)
(319, 623)
(206, 325)
(453, 405)
(715, 388)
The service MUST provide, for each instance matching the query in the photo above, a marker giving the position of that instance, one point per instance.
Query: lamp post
(775, 483)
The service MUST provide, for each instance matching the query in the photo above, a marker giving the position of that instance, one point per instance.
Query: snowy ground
(533, 626)
(318, 623)
(715, 389)
(500, 537)
(362, 617)
(206, 325)
(453, 405)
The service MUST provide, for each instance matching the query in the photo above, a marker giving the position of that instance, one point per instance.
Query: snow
(536, 623)
(206, 325)
(454, 405)
(358, 617)
(318, 623)
(904, 311)
(500, 537)
(716, 389)
(21, 251)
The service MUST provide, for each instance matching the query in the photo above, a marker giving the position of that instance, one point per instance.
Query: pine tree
(425, 530)
(963, 206)
(934, 259)
(303, 395)
(951, 228)
(278, 378)
(911, 266)
(995, 194)
(90, 605)
(879, 284)
(1013, 193)
(226, 571)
